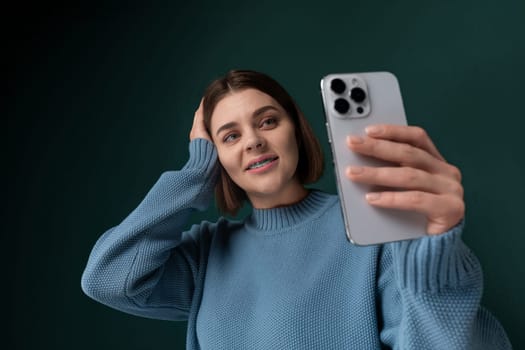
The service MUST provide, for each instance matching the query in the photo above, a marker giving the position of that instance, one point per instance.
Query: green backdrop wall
(100, 99)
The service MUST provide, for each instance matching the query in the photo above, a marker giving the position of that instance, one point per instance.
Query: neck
(282, 199)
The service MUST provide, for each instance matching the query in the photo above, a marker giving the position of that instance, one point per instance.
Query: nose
(254, 141)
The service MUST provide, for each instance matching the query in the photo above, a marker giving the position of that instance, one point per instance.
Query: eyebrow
(255, 114)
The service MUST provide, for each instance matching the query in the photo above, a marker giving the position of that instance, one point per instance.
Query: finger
(405, 178)
(442, 211)
(198, 129)
(413, 135)
(199, 113)
(401, 153)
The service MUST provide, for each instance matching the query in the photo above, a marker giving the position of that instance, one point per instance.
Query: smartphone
(351, 102)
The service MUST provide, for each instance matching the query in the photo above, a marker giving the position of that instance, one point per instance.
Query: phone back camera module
(350, 97)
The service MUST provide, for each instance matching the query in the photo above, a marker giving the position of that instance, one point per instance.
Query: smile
(260, 164)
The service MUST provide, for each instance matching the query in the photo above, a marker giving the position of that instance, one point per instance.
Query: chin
(264, 192)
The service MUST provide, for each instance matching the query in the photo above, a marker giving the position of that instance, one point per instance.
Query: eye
(269, 123)
(230, 137)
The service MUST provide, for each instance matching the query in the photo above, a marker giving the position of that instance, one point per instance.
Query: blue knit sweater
(285, 278)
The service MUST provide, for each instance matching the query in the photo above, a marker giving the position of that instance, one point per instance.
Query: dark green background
(100, 100)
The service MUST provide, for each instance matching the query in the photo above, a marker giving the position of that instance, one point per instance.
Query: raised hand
(198, 129)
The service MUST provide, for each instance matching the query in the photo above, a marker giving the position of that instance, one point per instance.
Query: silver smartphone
(351, 102)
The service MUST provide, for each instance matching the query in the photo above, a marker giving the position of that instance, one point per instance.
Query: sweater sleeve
(147, 265)
(429, 296)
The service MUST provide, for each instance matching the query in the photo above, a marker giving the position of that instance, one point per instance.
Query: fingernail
(355, 169)
(373, 196)
(355, 139)
(373, 130)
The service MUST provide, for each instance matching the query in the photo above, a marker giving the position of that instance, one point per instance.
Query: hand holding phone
(416, 190)
(424, 182)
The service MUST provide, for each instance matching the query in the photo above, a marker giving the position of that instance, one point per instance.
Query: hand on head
(198, 129)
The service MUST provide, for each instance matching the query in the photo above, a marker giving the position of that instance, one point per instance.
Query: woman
(286, 277)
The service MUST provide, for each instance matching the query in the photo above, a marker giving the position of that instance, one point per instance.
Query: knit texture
(285, 278)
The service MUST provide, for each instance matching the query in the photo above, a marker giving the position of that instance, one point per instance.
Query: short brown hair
(228, 195)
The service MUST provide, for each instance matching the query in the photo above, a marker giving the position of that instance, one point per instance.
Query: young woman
(286, 277)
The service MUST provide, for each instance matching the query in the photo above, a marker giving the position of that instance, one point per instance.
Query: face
(256, 144)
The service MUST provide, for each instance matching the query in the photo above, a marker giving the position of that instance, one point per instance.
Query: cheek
(291, 146)
(227, 160)
(295, 151)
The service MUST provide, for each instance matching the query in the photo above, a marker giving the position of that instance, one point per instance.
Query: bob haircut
(229, 196)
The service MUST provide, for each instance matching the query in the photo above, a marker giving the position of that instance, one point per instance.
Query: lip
(260, 159)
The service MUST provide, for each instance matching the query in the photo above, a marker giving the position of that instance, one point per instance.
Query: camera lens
(341, 105)
(357, 94)
(338, 86)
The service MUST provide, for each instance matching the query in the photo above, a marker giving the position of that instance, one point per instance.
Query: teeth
(261, 163)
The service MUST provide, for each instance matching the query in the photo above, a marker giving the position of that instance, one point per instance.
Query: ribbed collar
(268, 221)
